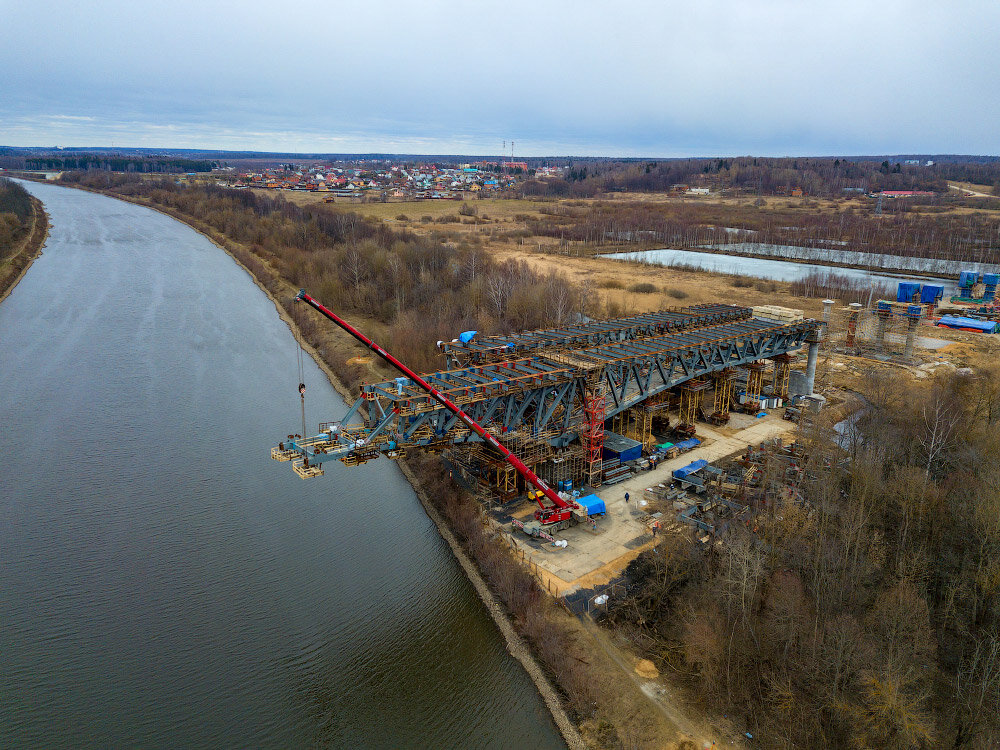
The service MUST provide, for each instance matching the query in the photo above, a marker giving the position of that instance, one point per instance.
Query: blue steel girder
(494, 348)
(545, 395)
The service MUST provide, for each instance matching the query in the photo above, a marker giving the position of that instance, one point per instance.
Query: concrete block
(815, 402)
(797, 383)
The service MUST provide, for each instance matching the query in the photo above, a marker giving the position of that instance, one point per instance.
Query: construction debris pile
(709, 498)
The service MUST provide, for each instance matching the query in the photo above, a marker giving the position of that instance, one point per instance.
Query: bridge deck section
(497, 348)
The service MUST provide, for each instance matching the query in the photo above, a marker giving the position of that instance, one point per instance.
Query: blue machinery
(543, 385)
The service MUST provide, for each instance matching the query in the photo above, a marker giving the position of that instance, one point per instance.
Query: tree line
(15, 215)
(863, 609)
(108, 163)
(827, 177)
(970, 237)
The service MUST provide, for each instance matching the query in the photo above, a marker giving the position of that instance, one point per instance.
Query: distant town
(479, 179)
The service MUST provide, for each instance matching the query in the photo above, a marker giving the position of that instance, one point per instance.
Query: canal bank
(13, 268)
(401, 658)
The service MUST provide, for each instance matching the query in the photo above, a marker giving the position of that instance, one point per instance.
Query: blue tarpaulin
(691, 468)
(954, 321)
(593, 504)
(686, 445)
(990, 279)
(967, 278)
(466, 337)
(906, 291)
(931, 294)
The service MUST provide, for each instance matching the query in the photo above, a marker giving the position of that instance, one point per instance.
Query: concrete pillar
(852, 325)
(811, 358)
(911, 335)
(827, 308)
(883, 323)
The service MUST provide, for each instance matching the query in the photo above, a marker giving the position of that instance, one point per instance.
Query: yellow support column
(723, 395)
(779, 382)
(755, 383)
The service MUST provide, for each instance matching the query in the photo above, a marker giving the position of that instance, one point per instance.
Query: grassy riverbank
(24, 226)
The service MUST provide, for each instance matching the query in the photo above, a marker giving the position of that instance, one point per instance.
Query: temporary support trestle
(636, 424)
(779, 381)
(691, 395)
(755, 384)
(723, 395)
(592, 437)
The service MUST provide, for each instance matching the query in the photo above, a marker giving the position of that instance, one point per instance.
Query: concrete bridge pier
(811, 357)
(911, 335)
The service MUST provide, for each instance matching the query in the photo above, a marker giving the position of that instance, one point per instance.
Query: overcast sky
(616, 78)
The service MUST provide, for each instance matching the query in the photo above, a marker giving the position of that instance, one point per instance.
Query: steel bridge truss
(500, 348)
(544, 396)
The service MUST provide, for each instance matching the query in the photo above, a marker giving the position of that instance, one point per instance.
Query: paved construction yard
(595, 557)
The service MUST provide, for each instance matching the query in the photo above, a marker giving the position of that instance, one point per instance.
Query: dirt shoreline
(516, 645)
(32, 246)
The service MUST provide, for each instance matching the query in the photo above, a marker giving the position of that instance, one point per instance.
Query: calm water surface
(777, 270)
(162, 581)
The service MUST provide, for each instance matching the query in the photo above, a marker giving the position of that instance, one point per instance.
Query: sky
(648, 79)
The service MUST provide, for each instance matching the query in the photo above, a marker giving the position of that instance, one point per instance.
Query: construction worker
(626, 498)
(656, 527)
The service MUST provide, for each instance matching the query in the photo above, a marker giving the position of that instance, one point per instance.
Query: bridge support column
(911, 335)
(883, 323)
(811, 357)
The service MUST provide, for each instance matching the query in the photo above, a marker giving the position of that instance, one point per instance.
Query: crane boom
(560, 510)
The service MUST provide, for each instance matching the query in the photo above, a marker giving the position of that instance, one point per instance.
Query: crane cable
(302, 378)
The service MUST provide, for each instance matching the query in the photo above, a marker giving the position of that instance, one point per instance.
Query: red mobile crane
(555, 511)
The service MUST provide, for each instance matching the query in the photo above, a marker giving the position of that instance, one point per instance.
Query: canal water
(778, 270)
(162, 581)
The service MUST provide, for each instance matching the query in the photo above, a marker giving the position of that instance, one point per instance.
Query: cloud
(632, 78)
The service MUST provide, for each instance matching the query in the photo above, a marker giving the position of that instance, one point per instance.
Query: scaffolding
(723, 395)
(885, 332)
(567, 465)
(755, 384)
(691, 395)
(779, 379)
(636, 424)
(592, 433)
